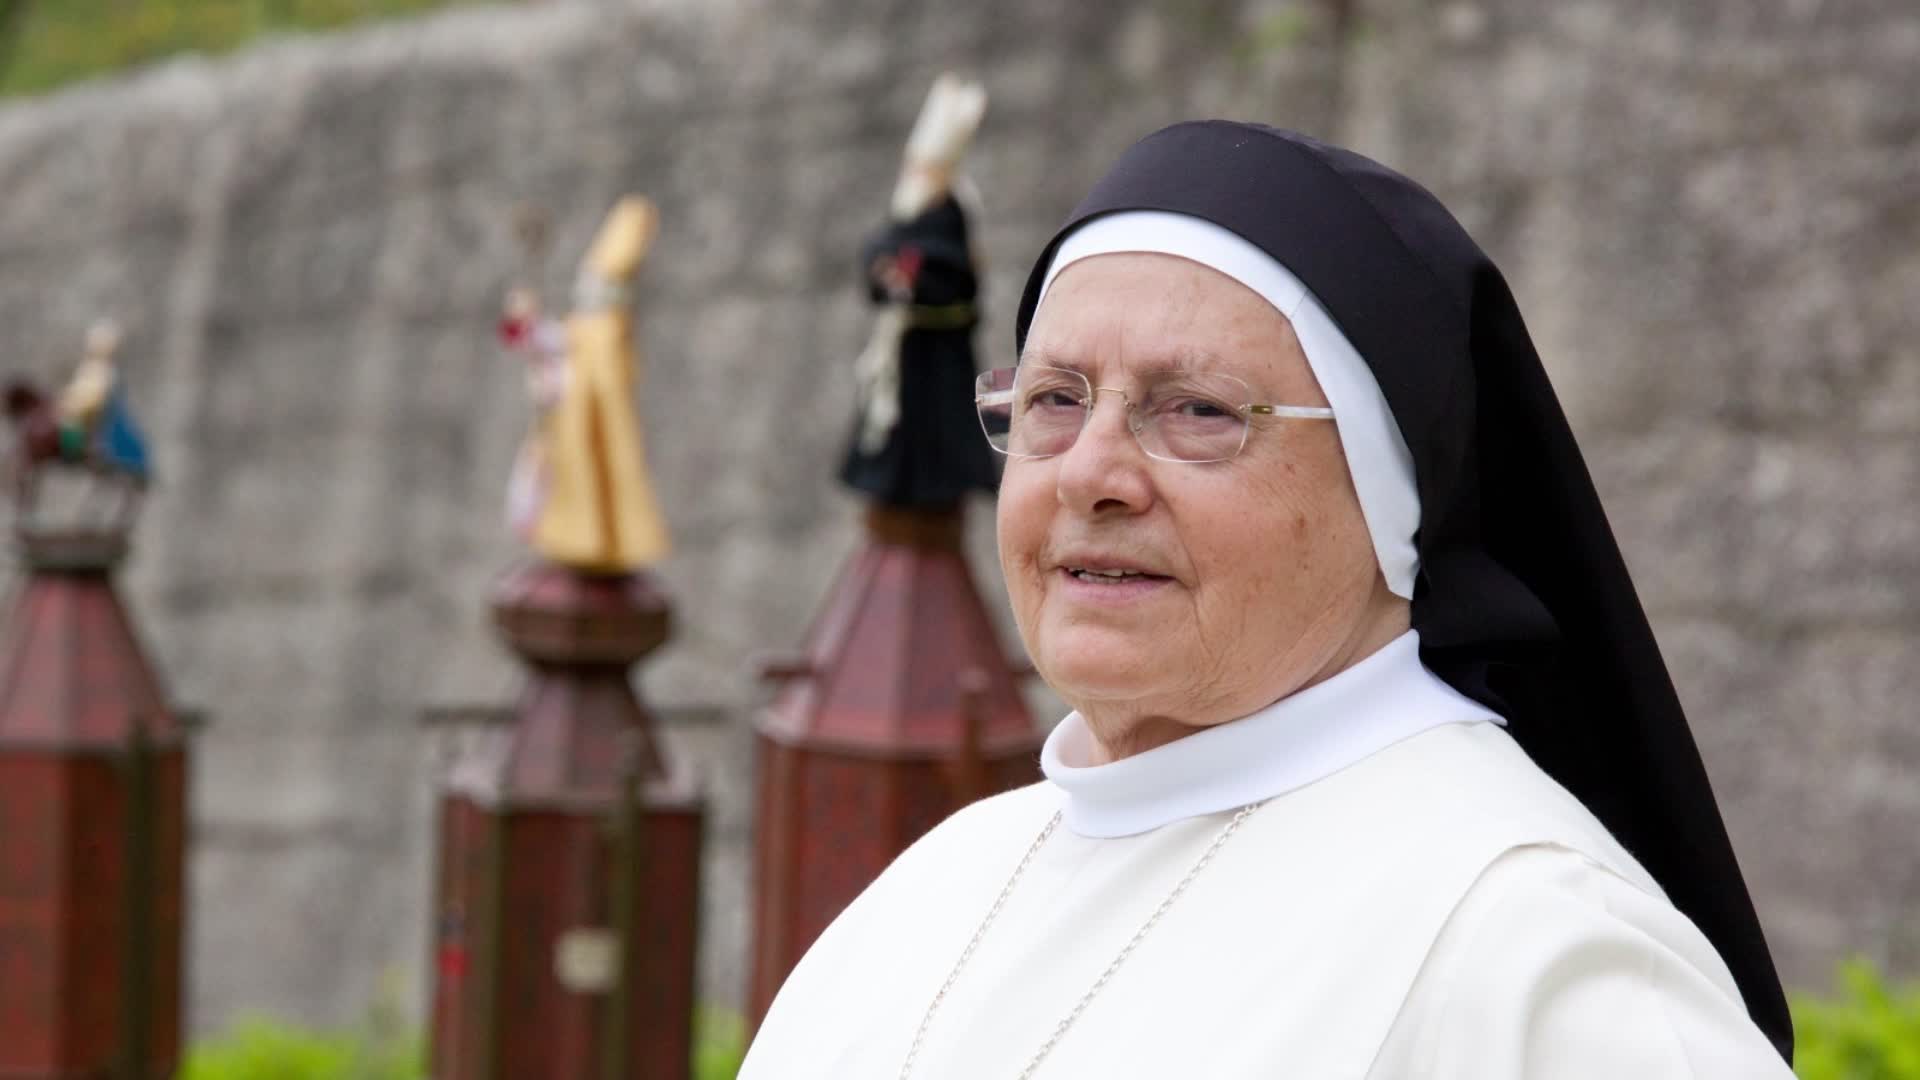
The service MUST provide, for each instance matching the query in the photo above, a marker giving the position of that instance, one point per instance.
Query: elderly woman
(1374, 768)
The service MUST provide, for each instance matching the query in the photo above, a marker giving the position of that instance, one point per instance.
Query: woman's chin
(1108, 671)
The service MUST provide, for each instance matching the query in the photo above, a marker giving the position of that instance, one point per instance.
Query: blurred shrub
(258, 1048)
(44, 43)
(1869, 1031)
(261, 1049)
(719, 1044)
(384, 1046)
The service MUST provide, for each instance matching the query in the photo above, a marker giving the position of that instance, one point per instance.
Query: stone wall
(1701, 212)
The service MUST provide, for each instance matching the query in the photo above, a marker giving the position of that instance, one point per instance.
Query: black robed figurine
(916, 441)
(929, 452)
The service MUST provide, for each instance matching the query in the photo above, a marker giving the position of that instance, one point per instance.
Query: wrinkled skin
(1266, 580)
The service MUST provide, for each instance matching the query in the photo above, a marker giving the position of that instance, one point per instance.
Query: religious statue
(916, 440)
(580, 494)
(88, 427)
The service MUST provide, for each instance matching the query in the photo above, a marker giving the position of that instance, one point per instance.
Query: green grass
(719, 1044)
(48, 43)
(261, 1049)
(1868, 1031)
(383, 1048)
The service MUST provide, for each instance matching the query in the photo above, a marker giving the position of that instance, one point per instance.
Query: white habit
(1415, 900)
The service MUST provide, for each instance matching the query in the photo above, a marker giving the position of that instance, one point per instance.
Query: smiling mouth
(1110, 577)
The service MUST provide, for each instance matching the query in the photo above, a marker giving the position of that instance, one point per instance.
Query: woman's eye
(1054, 399)
(1197, 409)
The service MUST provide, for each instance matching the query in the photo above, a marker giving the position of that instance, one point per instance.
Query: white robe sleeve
(1555, 968)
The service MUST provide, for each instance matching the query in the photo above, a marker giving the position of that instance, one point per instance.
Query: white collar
(1287, 745)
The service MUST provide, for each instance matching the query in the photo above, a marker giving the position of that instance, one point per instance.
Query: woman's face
(1258, 576)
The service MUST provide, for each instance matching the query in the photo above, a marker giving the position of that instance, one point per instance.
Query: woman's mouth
(1109, 577)
(1092, 585)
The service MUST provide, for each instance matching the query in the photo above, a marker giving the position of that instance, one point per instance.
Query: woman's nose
(1105, 470)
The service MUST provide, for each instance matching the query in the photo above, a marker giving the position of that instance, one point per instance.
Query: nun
(1374, 768)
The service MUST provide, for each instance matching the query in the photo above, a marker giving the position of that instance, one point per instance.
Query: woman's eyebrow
(1192, 358)
(1050, 358)
(1178, 358)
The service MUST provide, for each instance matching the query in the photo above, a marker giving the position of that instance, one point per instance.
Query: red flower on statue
(909, 260)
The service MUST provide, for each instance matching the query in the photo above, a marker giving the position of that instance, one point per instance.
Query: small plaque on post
(586, 959)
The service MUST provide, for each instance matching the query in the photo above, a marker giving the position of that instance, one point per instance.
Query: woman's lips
(1096, 587)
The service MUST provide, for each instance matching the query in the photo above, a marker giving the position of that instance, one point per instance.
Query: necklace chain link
(1000, 901)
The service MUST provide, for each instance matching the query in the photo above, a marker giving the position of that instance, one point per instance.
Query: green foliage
(45, 43)
(719, 1044)
(1281, 30)
(1869, 1032)
(259, 1048)
(383, 1047)
(262, 1049)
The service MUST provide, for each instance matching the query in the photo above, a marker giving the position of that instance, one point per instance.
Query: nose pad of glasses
(1134, 420)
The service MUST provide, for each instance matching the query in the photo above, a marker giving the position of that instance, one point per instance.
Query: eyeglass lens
(1038, 411)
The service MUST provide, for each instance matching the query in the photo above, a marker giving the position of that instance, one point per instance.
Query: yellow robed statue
(597, 512)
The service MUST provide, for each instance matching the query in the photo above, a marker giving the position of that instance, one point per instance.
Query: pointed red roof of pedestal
(72, 672)
(900, 644)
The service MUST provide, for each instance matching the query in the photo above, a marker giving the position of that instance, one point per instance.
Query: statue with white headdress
(916, 440)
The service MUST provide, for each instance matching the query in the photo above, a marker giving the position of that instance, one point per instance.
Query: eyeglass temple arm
(1292, 412)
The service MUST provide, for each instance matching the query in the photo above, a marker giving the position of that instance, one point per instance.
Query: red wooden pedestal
(902, 710)
(92, 829)
(568, 881)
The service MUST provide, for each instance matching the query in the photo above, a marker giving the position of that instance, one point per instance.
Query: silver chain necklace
(1060, 1029)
